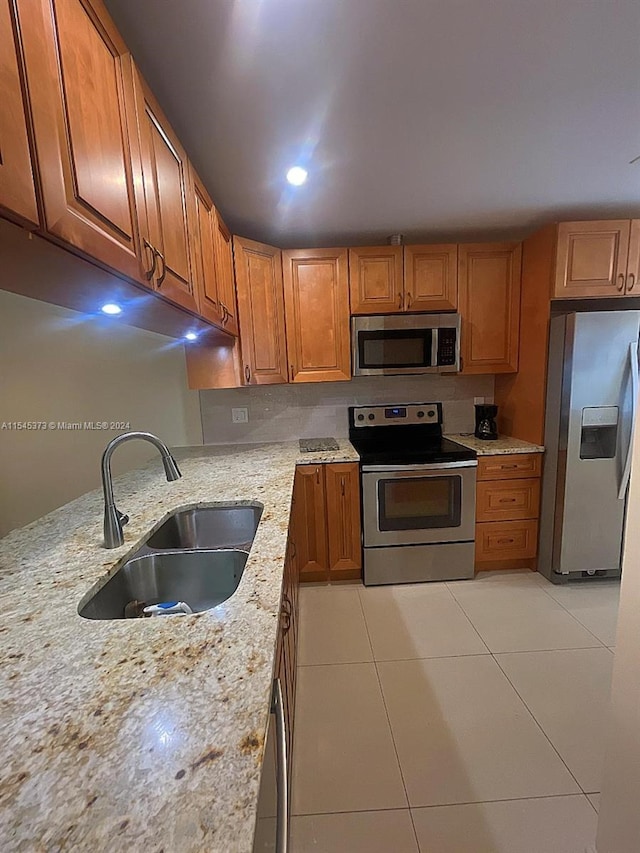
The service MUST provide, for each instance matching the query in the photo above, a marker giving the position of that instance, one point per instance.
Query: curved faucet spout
(113, 519)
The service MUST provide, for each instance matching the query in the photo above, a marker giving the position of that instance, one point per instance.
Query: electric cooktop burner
(409, 434)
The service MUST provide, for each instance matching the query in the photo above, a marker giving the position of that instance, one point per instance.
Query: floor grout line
(574, 616)
(539, 725)
(410, 808)
(386, 711)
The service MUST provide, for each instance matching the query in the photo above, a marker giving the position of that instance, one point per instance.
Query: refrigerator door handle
(635, 382)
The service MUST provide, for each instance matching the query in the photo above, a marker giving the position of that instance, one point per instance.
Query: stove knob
(360, 417)
(431, 413)
(420, 414)
(372, 417)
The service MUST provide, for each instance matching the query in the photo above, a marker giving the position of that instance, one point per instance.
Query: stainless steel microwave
(408, 343)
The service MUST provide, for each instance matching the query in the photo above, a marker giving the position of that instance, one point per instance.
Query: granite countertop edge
(125, 734)
(503, 445)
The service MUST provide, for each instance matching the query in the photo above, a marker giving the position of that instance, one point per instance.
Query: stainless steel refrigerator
(592, 397)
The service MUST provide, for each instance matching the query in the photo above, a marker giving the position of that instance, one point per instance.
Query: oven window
(419, 503)
(394, 348)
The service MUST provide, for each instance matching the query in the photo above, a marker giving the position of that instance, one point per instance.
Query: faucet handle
(122, 517)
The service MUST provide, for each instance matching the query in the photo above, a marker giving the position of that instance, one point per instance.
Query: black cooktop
(431, 451)
(403, 435)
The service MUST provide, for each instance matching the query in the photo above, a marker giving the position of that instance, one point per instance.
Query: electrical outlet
(478, 401)
(240, 416)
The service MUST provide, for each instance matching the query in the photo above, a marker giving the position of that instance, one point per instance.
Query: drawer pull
(507, 501)
(509, 467)
(505, 541)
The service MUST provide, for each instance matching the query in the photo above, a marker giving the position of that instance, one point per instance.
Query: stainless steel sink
(202, 579)
(208, 527)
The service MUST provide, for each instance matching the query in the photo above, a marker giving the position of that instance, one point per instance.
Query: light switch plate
(240, 416)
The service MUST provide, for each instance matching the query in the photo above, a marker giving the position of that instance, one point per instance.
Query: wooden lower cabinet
(326, 521)
(507, 510)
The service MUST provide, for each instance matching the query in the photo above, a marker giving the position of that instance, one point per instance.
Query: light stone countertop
(500, 446)
(141, 734)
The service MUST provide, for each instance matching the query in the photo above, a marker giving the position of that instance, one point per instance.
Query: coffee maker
(486, 427)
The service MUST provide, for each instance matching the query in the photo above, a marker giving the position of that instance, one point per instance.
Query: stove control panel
(408, 413)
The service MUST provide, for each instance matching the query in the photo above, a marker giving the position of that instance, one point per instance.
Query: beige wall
(59, 365)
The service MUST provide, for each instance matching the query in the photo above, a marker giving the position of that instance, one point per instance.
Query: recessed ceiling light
(191, 336)
(297, 176)
(111, 308)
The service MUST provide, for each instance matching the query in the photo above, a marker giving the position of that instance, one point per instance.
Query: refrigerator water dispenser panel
(599, 432)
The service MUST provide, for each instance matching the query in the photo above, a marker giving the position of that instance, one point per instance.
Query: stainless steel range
(418, 495)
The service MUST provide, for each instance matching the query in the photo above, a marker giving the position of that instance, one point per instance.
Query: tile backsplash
(311, 410)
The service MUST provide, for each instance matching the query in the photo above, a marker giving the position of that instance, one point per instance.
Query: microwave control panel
(447, 340)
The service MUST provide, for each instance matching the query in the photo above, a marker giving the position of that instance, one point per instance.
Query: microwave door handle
(434, 347)
(635, 383)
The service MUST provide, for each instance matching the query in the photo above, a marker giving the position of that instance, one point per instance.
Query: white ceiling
(432, 118)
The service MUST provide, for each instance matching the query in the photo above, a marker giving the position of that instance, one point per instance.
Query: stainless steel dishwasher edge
(272, 824)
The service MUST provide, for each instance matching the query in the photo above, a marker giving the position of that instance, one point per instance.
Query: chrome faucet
(114, 520)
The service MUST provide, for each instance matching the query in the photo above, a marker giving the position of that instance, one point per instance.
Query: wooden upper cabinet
(431, 278)
(86, 148)
(17, 184)
(309, 523)
(316, 296)
(489, 296)
(598, 258)
(167, 200)
(226, 279)
(342, 487)
(260, 311)
(375, 279)
(204, 254)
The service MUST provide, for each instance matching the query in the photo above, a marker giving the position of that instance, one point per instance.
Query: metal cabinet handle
(282, 784)
(505, 541)
(293, 373)
(164, 268)
(507, 500)
(342, 486)
(508, 467)
(247, 373)
(632, 281)
(149, 274)
(400, 301)
(409, 299)
(620, 285)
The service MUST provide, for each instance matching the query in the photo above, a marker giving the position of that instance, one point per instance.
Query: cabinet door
(17, 186)
(342, 483)
(316, 297)
(489, 290)
(87, 150)
(204, 255)
(375, 279)
(309, 523)
(591, 258)
(169, 200)
(431, 278)
(226, 280)
(260, 311)
(633, 263)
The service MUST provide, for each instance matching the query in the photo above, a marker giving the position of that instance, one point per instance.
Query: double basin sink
(196, 556)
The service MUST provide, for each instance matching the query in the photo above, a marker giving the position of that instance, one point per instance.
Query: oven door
(418, 505)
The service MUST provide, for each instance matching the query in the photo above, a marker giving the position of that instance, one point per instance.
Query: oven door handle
(432, 467)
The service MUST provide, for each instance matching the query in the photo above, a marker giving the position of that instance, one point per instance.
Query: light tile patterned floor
(451, 717)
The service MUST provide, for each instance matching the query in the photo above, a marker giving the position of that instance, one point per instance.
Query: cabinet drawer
(506, 540)
(506, 500)
(513, 465)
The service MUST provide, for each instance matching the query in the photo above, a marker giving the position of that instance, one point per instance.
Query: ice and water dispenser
(599, 432)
